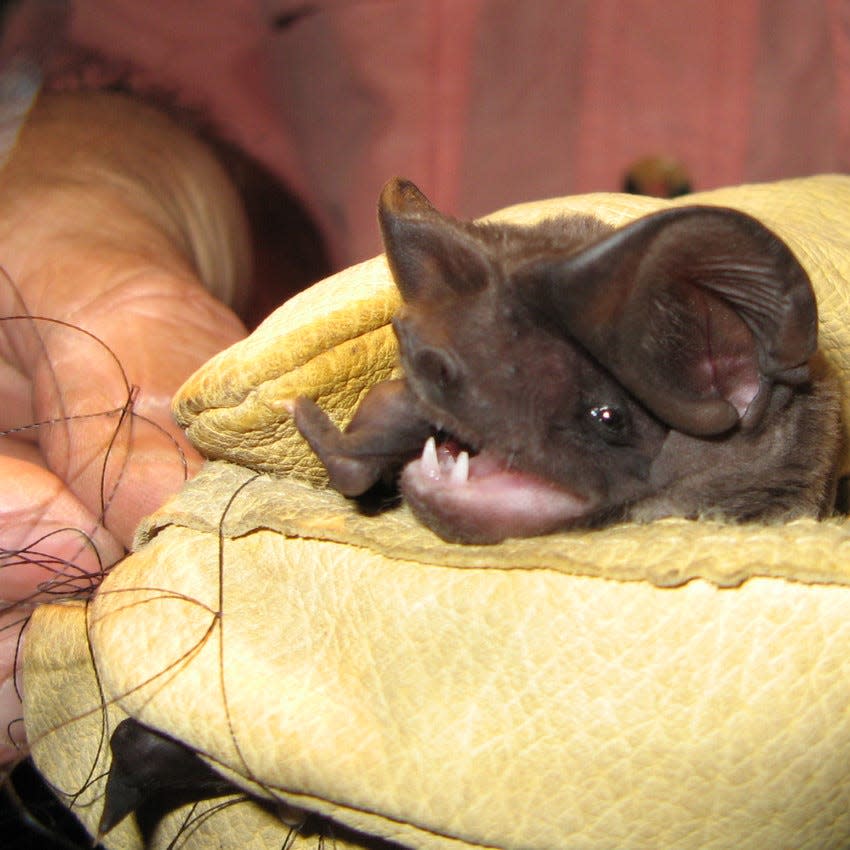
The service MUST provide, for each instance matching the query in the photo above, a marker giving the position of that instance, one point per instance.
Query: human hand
(116, 232)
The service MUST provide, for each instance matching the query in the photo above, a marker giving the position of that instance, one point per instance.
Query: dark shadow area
(32, 818)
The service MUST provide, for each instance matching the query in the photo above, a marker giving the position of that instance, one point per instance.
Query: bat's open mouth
(478, 498)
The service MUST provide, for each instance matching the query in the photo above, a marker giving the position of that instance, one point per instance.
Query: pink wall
(488, 102)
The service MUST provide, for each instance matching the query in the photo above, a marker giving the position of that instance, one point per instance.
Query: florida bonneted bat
(574, 374)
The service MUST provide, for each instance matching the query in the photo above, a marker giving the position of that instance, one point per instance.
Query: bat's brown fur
(593, 375)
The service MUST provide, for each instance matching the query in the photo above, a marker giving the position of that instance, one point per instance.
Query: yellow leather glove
(679, 685)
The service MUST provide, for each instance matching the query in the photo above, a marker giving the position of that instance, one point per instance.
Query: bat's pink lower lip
(493, 503)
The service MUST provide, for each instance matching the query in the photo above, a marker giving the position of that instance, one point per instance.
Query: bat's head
(555, 362)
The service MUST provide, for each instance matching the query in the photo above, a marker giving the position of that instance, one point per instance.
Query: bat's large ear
(701, 312)
(430, 255)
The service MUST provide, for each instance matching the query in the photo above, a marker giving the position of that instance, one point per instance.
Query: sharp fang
(460, 471)
(430, 464)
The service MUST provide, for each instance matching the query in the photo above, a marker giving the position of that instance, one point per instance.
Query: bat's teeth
(430, 464)
(460, 471)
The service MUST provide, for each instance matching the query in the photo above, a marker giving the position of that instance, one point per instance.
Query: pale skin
(113, 221)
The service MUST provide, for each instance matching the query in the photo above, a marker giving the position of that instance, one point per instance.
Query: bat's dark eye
(611, 422)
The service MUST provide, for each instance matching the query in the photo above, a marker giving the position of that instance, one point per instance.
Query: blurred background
(482, 103)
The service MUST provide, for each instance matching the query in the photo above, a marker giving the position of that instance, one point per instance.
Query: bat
(573, 374)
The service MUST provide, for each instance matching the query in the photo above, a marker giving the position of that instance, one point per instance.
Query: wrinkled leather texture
(677, 685)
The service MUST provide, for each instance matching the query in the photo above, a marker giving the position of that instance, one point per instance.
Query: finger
(103, 396)
(50, 543)
(15, 400)
(12, 623)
